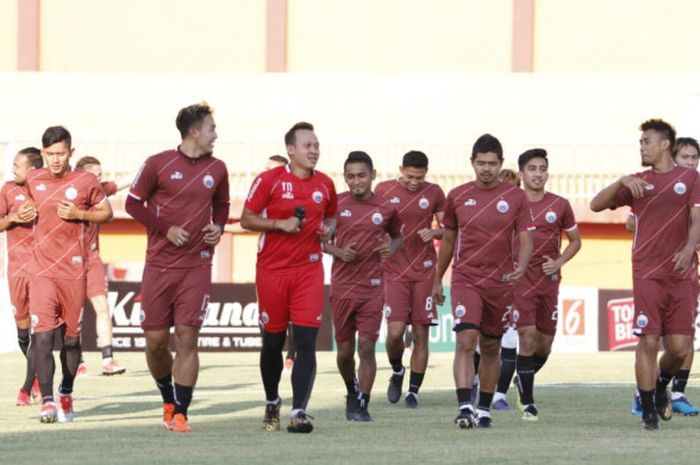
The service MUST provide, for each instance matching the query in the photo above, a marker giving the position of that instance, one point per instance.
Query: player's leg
(397, 306)
(71, 296)
(679, 402)
(19, 299)
(676, 349)
(342, 311)
(489, 372)
(509, 343)
(368, 320)
(43, 343)
(463, 372)
(423, 315)
(103, 328)
(185, 373)
(645, 372)
(291, 351)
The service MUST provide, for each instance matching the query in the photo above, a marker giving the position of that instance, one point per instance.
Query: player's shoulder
(431, 187)
(274, 173)
(386, 185)
(344, 197)
(462, 188)
(217, 163)
(37, 174)
(322, 178)
(8, 187)
(82, 176)
(555, 198)
(166, 156)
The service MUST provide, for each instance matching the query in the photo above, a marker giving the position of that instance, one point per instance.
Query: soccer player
(481, 218)
(535, 298)
(17, 213)
(66, 201)
(664, 199)
(293, 207)
(408, 274)
(96, 277)
(182, 197)
(357, 293)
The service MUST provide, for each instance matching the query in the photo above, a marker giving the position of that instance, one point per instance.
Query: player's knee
(365, 348)
(43, 342)
(273, 341)
(305, 338)
(71, 342)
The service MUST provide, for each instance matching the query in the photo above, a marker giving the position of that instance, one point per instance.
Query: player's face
(95, 169)
(205, 135)
(20, 168)
(486, 167)
(57, 157)
(359, 180)
(412, 177)
(687, 157)
(651, 147)
(305, 152)
(535, 174)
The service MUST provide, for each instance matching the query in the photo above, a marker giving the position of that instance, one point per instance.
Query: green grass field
(584, 402)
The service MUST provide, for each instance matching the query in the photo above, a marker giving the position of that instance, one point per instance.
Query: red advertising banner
(616, 317)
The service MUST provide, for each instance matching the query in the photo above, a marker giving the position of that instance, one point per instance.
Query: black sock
(416, 381)
(663, 380)
(526, 375)
(485, 399)
(30, 373)
(106, 352)
(477, 359)
(538, 362)
(507, 369)
(23, 340)
(304, 372)
(44, 361)
(271, 363)
(396, 365)
(70, 359)
(165, 386)
(464, 396)
(183, 397)
(647, 398)
(680, 380)
(352, 387)
(363, 400)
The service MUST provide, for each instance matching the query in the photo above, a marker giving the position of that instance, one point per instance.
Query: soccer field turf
(584, 402)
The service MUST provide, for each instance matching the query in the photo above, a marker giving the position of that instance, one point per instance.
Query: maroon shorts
(96, 277)
(663, 307)
(19, 297)
(361, 315)
(174, 297)
(410, 302)
(290, 297)
(536, 310)
(56, 302)
(474, 308)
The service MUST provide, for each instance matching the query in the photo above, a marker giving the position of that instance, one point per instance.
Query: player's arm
(525, 239)
(221, 206)
(25, 214)
(447, 247)
(552, 266)
(327, 230)
(101, 212)
(682, 259)
(606, 198)
(428, 234)
(346, 254)
(255, 222)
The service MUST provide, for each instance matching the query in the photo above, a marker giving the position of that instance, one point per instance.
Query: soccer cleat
(82, 370)
(271, 420)
(36, 390)
(362, 414)
(168, 412)
(465, 417)
(681, 405)
(663, 404)
(636, 407)
(112, 368)
(179, 424)
(351, 406)
(48, 414)
(411, 400)
(393, 392)
(651, 422)
(501, 404)
(530, 413)
(300, 423)
(484, 420)
(65, 411)
(23, 398)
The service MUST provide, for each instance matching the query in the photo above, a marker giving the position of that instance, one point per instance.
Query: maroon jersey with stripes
(93, 229)
(662, 219)
(19, 235)
(181, 191)
(60, 247)
(365, 225)
(486, 222)
(416, 260)
(276, 194)
(551, 216)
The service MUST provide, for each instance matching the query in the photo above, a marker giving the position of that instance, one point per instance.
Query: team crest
(460, 311)
(515, 315)
(377, 218)
(14, 309)
(642, 320)
(71, 193)
(679, 188)
(387, 311)
(502, 206)
(142, 316)
(551, 217)
(317, 196)
(265, 318)
(208, 181)
(35, 320)
(423, 203)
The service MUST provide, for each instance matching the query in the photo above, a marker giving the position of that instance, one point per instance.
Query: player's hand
(550, 266)
(291, 225)
(25, 214)
(681, 260)
(384, 248)
(438, 295)
(212, 234)
(426, 234)
(347, 253)
(636, 185)
(178, 236)
(68, 211)
(325, 233)
(515, 276)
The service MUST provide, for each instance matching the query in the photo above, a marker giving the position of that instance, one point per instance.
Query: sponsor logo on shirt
(41, 187)
(288, 195)
(423, 203)
(375, 282)
(679, 188)
(176, 175)
(551, 217)
(502, 206)
(20, 197)
(395, 200)
(377, 218)
(317, 196)
(208, 181)
(313, 257)
(71, 193)
(204, 254)
(649, 187)
(346, 213)
(76, 260)
(470, 203)
(427, 264)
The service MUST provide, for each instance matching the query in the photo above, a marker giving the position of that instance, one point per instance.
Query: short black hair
(684, 142)
(358, 156)
(278, 159)
(487, 143)
(87, 160)
(662, 127)
(291, 136)
(54, 135)
(528, 155)
(415, 159)
(33, 155)
(190, 116)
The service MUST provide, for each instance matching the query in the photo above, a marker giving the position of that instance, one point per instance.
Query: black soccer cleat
(530, 412)
(484, 421)
(351, 406)
(300, 423)
(393, 392)
(663, 404)
(362, 414)
(651, 422)
(411, 400)
(271, 420)
(465, 417)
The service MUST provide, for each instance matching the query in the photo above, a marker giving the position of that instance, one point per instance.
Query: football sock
(526, 374)
(183, 397)
(663, 380)
(70, 359)
(680, 380)
(304, 372)
(352, 387)
(30, 373)
(396, 365)
(44, 361)
(165, 386)
(464, 396)
(416, 380)
(485, 399)
(363, 400)
(23, 340)
(647, 398)
(507, 369)
(538, 362)
(271, 363)
(106, 353)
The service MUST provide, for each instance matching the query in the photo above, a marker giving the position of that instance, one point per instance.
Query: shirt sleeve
(523, 218)
(449, 218)
(94, 192)
(439, 200)
(332, 205)
(4, 204)
(259, 194)
(145, 181)
(221, 201)
(394, 227)
(568, 222)
(623, 196)
(694, 197)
